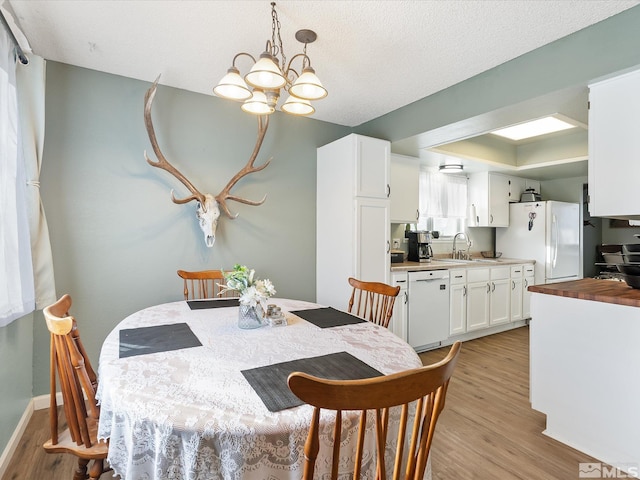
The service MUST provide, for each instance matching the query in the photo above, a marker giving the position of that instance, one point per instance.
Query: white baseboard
(11, 447)
(42, 402)
(37, 403)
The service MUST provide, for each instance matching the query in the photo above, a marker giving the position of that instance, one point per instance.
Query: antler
(162, 161)
(263, 124)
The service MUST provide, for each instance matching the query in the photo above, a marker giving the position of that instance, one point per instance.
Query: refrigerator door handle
(554, 232)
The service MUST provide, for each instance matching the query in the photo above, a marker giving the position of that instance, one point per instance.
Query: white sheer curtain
(442, 202)
(17, 297)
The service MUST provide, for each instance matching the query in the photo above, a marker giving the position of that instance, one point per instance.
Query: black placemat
(159, 338)
(214, 303)
(270, 382)
(327, 317)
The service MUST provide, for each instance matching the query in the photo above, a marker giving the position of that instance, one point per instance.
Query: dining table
(186, 394)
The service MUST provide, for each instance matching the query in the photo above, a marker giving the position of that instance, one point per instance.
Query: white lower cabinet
(398, 323)
(517, 293)
(478, 293)
(529, 279)
(479, 298)
(500, 295)
(483, 297)
(458, 301)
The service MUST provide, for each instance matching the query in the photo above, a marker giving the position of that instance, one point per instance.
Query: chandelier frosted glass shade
(308, 86)
(265, 74)
(298, 106)
(258, 104)
(232, 86)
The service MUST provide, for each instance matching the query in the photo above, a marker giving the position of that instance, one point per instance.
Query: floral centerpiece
(253, 294)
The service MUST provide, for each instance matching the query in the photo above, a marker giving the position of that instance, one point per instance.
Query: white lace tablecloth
(190, 414)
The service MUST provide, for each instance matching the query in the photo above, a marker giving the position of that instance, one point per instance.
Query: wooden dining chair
(372, 301)
(78, 383)
(204, 284)
(426, 386)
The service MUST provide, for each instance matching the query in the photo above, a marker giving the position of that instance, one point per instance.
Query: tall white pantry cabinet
(352, 216)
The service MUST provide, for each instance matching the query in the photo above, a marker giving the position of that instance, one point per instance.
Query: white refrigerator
(547, 232)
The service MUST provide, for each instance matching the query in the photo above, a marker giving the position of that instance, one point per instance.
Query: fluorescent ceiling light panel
(533, 128)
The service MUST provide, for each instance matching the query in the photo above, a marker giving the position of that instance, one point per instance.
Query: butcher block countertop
(608, 291)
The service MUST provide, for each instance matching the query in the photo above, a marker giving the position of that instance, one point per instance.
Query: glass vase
(249, 317)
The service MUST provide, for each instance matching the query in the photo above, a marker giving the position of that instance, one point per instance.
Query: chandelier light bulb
(308, 86)
(265, 74)
(232, 86)
(258, 104)
(297, 106)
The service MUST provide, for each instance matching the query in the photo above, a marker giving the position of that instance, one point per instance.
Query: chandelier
(260, 88)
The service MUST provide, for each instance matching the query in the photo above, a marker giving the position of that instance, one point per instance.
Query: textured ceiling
(372, 56)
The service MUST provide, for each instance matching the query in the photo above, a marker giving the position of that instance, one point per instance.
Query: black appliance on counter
(420, 245)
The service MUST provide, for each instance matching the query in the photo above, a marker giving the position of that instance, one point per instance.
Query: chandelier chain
(275, 27)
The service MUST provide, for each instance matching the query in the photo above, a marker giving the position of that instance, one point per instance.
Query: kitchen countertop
(608, 291)
(447, 263)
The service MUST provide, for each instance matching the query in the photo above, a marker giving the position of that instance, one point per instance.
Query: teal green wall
(16, 362)
(117, 238)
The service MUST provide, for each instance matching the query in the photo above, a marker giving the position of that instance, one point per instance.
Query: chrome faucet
(461, 254)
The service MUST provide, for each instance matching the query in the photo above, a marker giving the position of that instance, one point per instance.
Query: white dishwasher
(428, 294)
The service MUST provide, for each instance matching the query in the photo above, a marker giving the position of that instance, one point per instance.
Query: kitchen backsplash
(482, 239)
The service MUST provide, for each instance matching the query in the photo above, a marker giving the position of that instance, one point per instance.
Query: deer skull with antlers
(208, 206)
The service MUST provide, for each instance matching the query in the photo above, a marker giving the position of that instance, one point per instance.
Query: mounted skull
(208, 206)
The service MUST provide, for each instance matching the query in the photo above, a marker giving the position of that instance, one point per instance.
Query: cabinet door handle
(388, 247)
(526, 284)
(493, 287)
(488, 288)
(491, 217)
(513, 285)
(464, 291)
(417, 215)
(406, 298)
(388, 190)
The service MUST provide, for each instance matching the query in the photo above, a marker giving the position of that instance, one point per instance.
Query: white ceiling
(372, 56)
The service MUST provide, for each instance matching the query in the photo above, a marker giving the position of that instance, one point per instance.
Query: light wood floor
(487, 430)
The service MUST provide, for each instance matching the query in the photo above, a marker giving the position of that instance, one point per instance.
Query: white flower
(266, 288)
(241, 279)
(250, 297)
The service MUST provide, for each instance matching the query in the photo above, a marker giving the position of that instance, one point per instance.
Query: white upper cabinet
(517, 185)
(489, 192)
(372, 166)
(405, 173)
(614, 146)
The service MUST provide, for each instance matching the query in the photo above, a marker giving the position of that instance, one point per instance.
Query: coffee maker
(420, 245)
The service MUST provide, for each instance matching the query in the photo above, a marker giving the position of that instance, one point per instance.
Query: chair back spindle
(204, 284)
(372, 301)
(419, 394)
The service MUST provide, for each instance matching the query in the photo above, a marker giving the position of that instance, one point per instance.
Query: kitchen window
(442, 203)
